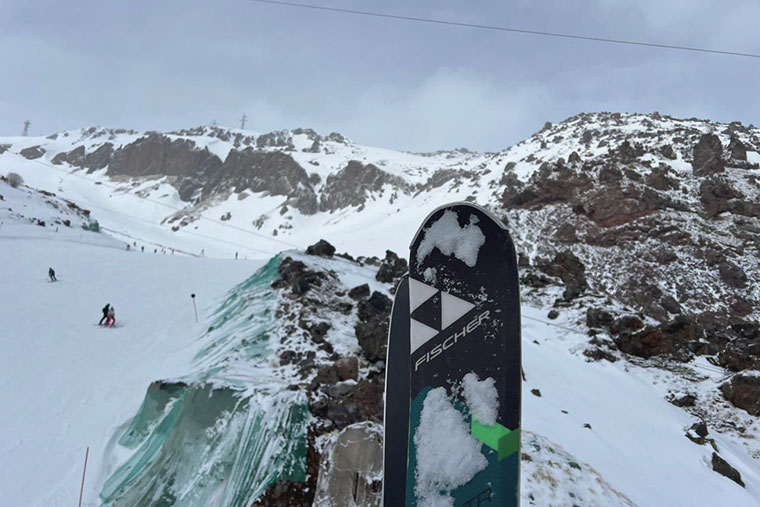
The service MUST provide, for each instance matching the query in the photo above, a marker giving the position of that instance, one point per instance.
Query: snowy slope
(636, 440)
(67, 383)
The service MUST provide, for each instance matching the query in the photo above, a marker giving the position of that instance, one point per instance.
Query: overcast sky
(170, 64)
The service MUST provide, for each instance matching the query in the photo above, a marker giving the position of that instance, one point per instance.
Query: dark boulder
(535, 280)
(628, 153)
(682, 329)
(359, 292)
(747, 329)
(646, 343)
(626, 323)
(737, 150)
(717, 196)
(723, 468)
(597, 353)
(318, 331)
(571, 270)
(708, 156)
(668, 152)
(740, 354)
(732, 275)
(684, 400)
(321, 248)
(670, 304)
(378, 305)
(287, 357)
(327, 374)
(372, 329)
(391, 268)
(743, 391)
(700, 428)
(295, 275)
(347, 404)
(598, 318)
(33, 152)
(347, 368)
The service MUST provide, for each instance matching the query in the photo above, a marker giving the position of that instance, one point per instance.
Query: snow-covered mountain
(638, 237)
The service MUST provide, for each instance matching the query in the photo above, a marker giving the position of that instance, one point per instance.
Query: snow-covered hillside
(147, 186)
(67, 383)
(213, 413)
(638, 239)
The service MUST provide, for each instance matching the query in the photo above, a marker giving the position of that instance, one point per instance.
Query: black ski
(397, 399)
(465, 318)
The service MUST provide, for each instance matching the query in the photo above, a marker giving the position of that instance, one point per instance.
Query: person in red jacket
(111, 320)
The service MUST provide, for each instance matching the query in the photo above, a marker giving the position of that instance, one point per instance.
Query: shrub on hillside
(14, 179)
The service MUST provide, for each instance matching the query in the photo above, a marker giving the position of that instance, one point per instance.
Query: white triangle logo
(420, 334)
(419, 293)
(452, 308)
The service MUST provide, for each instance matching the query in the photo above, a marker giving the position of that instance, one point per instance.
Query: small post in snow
(81, 488)
(194, 307)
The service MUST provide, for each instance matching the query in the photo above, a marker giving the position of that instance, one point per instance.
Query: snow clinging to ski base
(447, 236)
(481, 397)
(447, 455)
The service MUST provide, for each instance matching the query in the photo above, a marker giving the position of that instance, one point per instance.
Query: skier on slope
(51, 274)
(105, 314)
(111, 320)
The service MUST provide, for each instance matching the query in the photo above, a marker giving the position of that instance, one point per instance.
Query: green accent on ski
(499, 438)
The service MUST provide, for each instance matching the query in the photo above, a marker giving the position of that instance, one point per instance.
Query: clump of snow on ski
(481, 397)
(447, 455)
(445, 234)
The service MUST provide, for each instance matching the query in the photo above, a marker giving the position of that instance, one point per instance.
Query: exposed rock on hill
(744, 392)
(351, 185)
(708, 156)
(273, 172)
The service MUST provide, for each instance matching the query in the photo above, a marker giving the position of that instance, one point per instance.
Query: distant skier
(111, 320)
(105, 314)
(142, 249)
(51, 274)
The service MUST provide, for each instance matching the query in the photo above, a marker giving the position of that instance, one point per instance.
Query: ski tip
(490, 214)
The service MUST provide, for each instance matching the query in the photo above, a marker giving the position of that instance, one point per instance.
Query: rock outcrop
(351, 185)
(708, 156)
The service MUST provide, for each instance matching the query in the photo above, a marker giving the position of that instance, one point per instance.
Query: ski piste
(397, 399)
(464, 318)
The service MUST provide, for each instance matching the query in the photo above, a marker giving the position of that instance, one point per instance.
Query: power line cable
(509, 29)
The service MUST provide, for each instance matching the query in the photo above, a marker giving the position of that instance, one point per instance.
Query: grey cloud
(172, 64)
